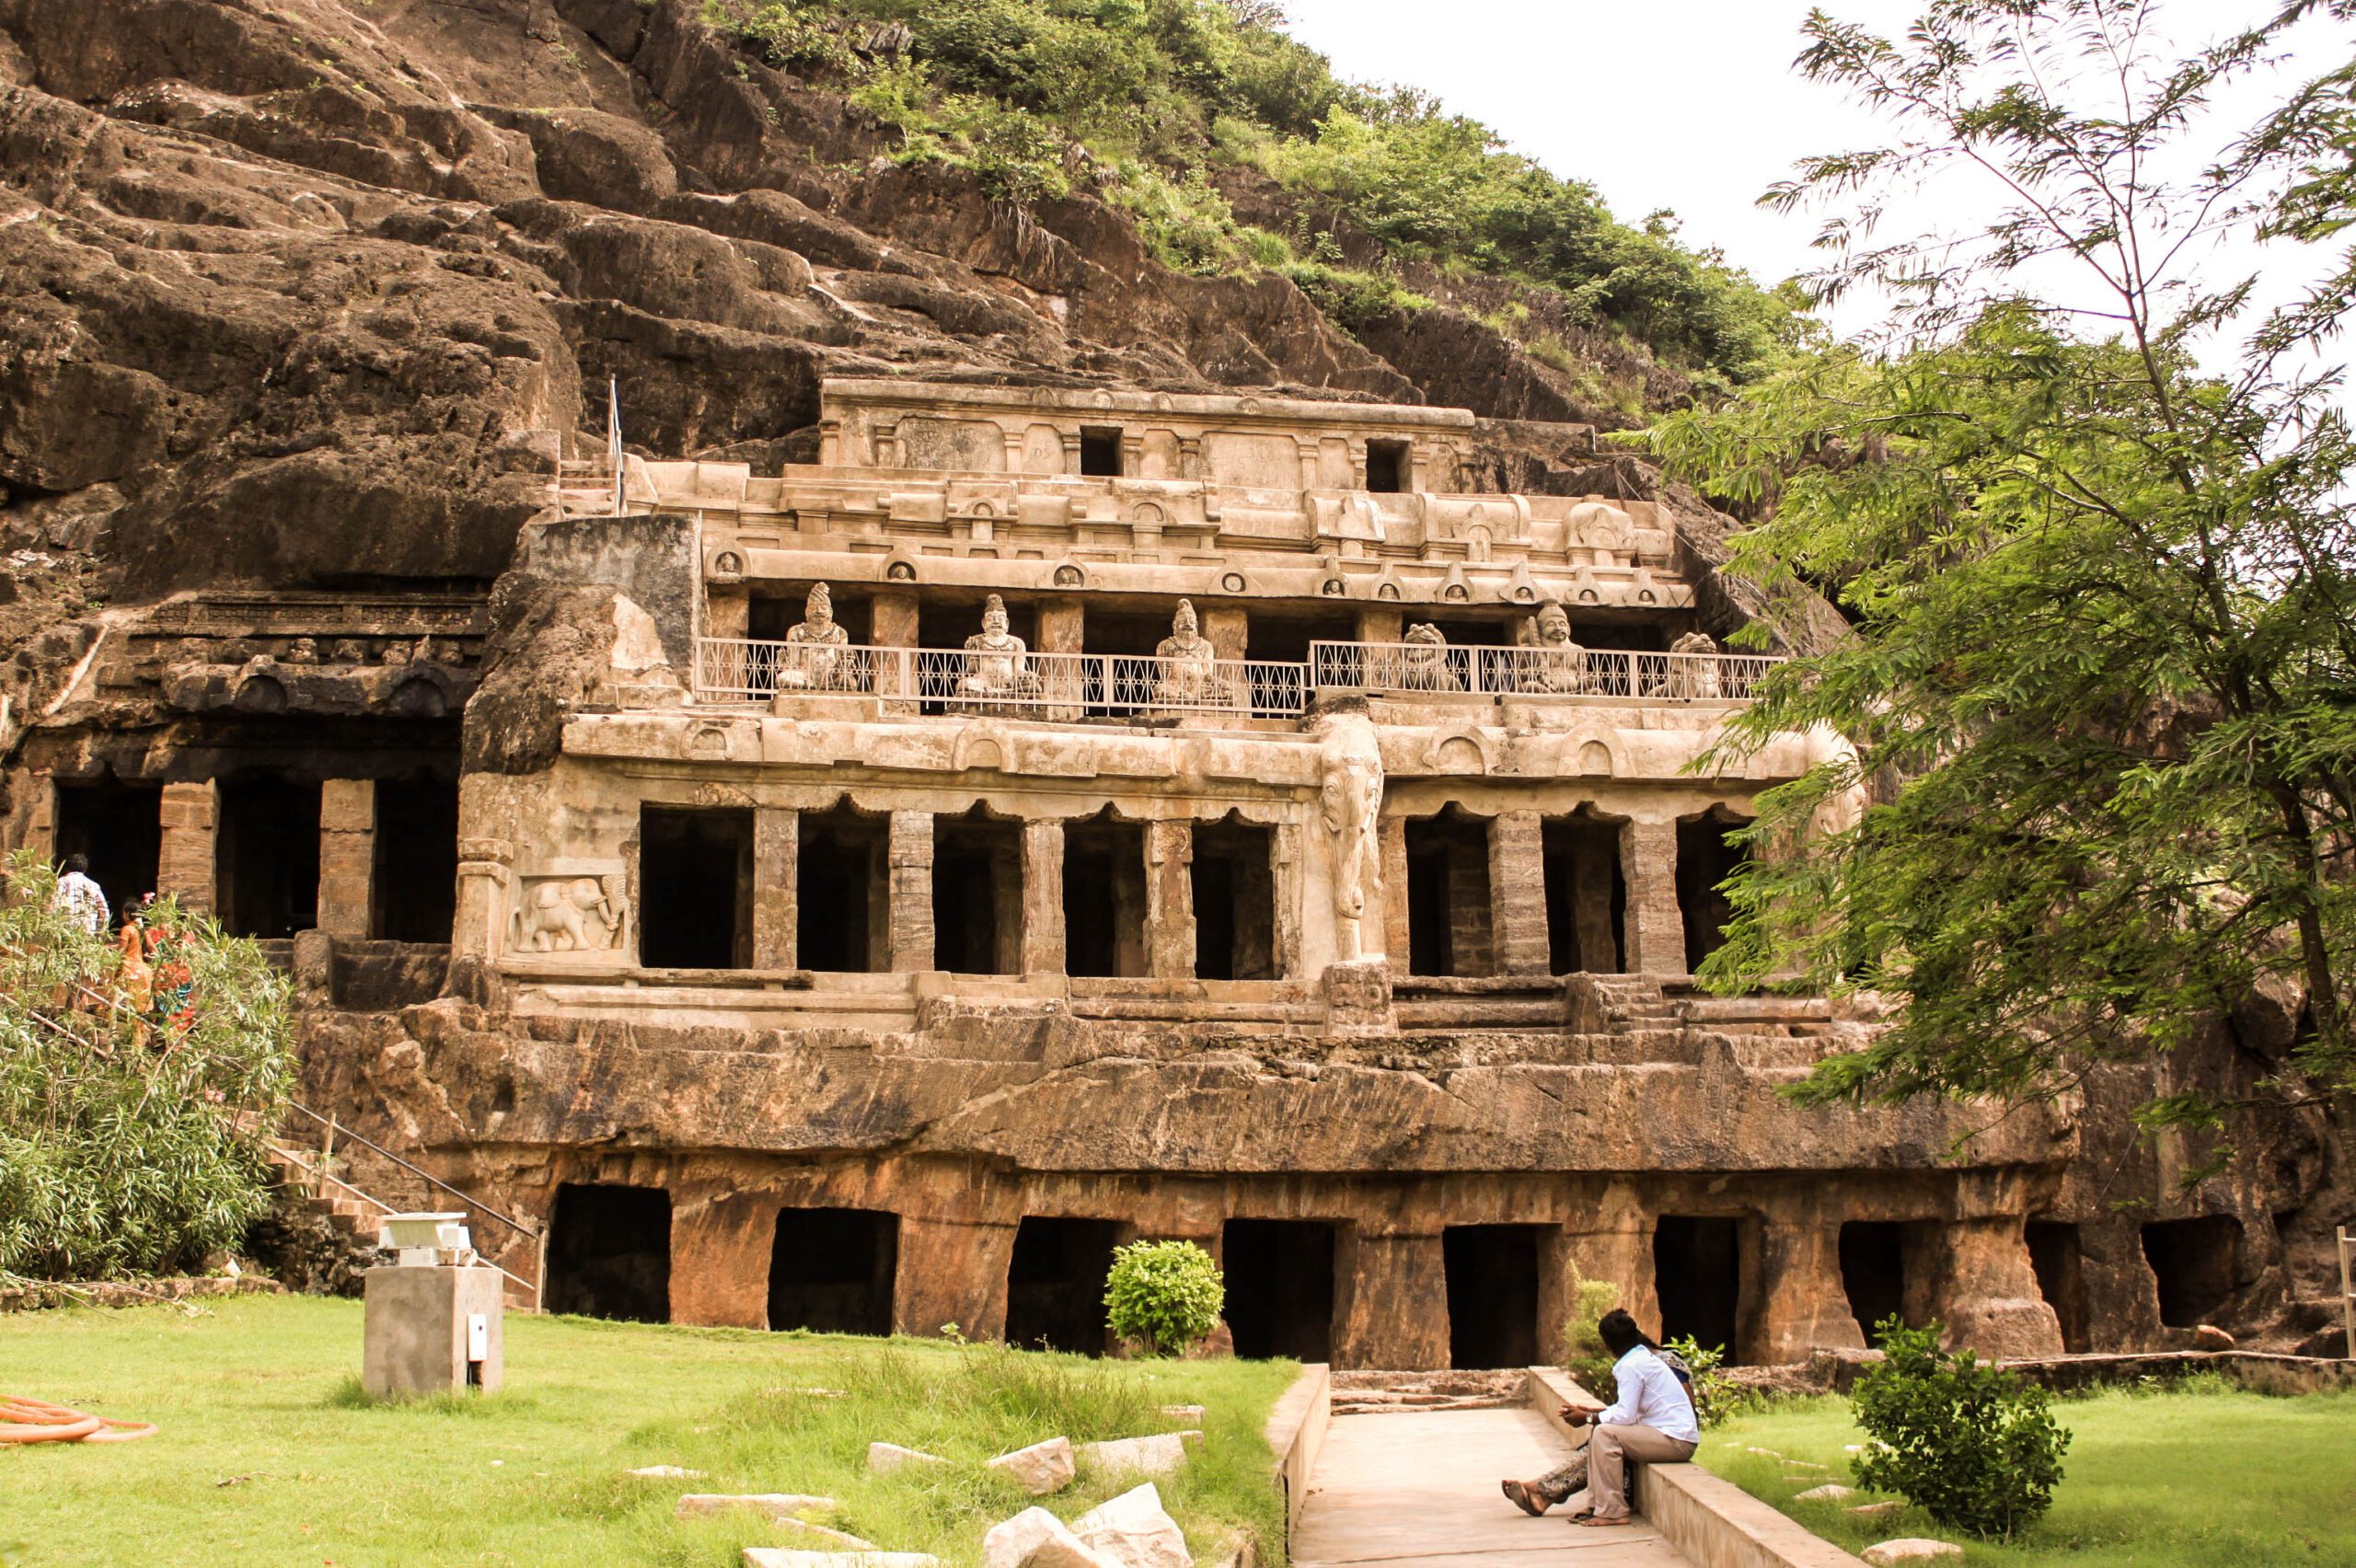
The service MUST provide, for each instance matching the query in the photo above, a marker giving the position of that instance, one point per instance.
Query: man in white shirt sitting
(1653, 1420)
(78, 898)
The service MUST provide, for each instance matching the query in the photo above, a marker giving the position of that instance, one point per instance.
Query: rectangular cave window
(695, 873)
(832, 1270)
(977, 894)
(1105, 898)
(841, 892)
(2197, 1264)
(1100, 450)
(1704, 858)
(414, 880)
(1492, 1273)
(266, 859)
(1448, 895)
(609, 1252)
(2058, 1256)
(1235, 902)
(1386, 467)
(1873, 1271)
(1697, 1274)
(1281, 1287)
(1586, 895)
(117, 828)
(1054, 1284)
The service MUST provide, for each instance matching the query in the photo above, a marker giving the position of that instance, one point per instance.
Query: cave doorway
(695, 875)
(976, 894)
(609, 1252)
(413, 879)
(1492, 1273)
(1586, 895)
(2058, 1256)
(1387, 467)
(267, 857)
(1105, 897)
(1706, 858)
(842, 892)
(118, 828)
(1234, 884)
(1697, 1276)
(1449, 922)
(1873, 1271)
(2196, 1264)
(1279, 1287)
(832, 1270)
(1054, 1284)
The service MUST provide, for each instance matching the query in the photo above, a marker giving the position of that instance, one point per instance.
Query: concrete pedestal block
(416, 1333)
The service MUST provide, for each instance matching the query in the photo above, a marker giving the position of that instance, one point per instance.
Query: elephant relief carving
(575, 913)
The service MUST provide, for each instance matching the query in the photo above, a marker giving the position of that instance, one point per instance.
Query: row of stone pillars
(187, 857)
(1514, 919)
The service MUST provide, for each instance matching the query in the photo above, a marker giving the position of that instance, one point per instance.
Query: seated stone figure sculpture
(1552, 663)
(1694, 677)
(814, 659)
(1422, 662)
(997, 665)
(1186, 674)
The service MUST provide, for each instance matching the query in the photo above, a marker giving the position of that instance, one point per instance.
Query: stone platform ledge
(1296, 1431)
(131, 1292)
(2269, 1372)
(1714, 1523)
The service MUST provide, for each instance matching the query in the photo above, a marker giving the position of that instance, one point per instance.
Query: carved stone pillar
(39, 830)
(720, 1258)
(1382, 625)
(1472, 938)
(347, 855)
(727, 611)
(1802, 1302)
(910, 896)
(1043, 897)
(952, 1272)
(1982, 1286)
(893, 624)
(1007, 899)
(1063, 625)
(1517, 893)
(184, 861)
(777, 871)
(1393, 835)
(1591, 867)
(1285, 869)
(1389, 1302)
(1170, 898)
(1229, 629)
(1656, 926)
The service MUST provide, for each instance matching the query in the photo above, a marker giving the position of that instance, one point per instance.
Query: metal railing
(1100, 685)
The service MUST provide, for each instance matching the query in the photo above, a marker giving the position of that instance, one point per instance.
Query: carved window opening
(1235, 901)
(1104, 899)
(1586, 895)
(771, 616)
(609, 1252)
(1054, 1284)
(1281, 1287)
(1286, 639)
(267, 856)
(695, 872)
(1100, 450)
(842, 892)
(2196, 1264)
(1492, 1293)
(414, 878)
(832, 1270)
(117, 828)
(1872, 1272)
(1697, 1275)
(1448, 919)
(2059, 1258)
(1706, 858)
(1387, 467)
(978, 896)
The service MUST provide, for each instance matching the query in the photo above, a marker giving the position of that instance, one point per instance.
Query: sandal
(1518, 1494)
(1594, 1521)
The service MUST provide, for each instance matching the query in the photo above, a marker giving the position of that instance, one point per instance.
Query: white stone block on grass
(1134, 1531)
(1037, 1538)
(1830, 1492)
(886, 1458)
(1191, 1414)
(1040, 1468)
(800, 1557)
(768, 1504)
(666, 1472)
(1876, 1510)
(1912, 1549)
(1161, 1454)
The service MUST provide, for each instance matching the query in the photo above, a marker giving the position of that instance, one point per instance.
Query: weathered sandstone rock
(1133, 1531)
(1037, 1538)
(886, 1458)
(1830, 1492)
(1162, 1453)
(776, 1505)
(1040, 1468)
(1911, 1549)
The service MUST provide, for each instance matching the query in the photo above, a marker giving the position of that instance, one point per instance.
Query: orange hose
(38, 1421)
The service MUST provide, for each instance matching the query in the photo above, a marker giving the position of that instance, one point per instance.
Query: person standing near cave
(79, 899)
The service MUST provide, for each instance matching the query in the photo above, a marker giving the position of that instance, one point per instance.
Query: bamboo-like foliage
(131, 1119)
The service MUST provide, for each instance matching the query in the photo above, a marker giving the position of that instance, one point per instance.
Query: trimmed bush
(1973, 1445)
(1163, 1296)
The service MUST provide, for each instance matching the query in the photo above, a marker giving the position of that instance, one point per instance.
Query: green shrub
(1715, 1395)
(1163, 1296)
(1584, 1355)
(131, 1143)
(1973, 1445)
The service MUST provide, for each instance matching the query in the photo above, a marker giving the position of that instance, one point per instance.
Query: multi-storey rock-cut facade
(1052, 817)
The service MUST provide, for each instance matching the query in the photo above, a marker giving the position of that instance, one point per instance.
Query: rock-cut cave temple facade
(1052, 818)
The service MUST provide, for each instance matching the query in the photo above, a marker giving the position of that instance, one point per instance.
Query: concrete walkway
(1420, 1488)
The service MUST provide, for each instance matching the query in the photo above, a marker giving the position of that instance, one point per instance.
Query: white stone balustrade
(1427, 668)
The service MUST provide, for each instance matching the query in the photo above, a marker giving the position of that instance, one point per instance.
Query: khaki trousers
(1607, 1471)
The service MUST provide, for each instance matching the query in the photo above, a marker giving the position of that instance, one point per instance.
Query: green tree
(2086, 507)
(1163, 1296)
(1973, 1445)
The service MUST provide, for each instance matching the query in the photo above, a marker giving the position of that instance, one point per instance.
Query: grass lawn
(2208, 1477)
(269, 1455)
